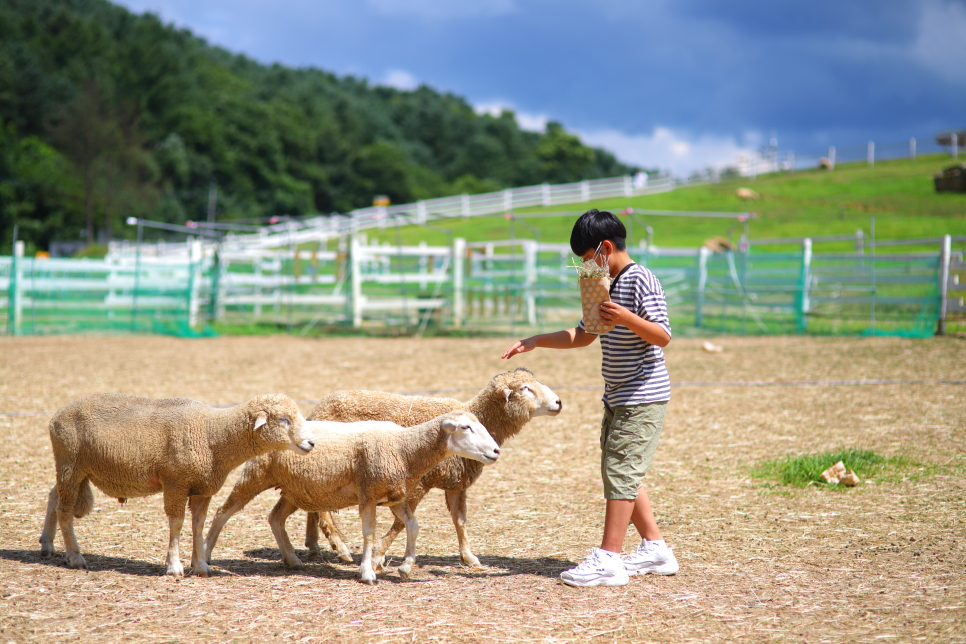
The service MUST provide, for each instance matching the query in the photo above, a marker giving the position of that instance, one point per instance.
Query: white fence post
(421, 211)
(870, 154)
(545, 194)
(465, 204)
(944, 257)
(459, 254)
(628, 187)
(508, 200)
(703, 253)
(356, 277)
(194, 268)
(912, 148)
(806, 277)
(831, 157)
(585, 190)
(530, 279)
(15, 293)
(954, 140)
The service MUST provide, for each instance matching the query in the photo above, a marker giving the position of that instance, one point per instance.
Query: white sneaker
(600, 568)
(651, 557)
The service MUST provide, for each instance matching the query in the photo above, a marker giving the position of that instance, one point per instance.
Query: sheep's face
(539, 399)
(467, 437)
(289, 430)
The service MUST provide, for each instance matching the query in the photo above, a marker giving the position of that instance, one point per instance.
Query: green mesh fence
(56, 296)
(753, 292)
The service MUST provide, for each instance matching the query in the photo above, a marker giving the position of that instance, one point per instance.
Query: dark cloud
(811, 71)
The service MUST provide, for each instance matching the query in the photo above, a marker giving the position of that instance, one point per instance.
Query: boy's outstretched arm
(566, 339)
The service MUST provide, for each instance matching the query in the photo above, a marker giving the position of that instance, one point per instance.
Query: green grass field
(898, 193)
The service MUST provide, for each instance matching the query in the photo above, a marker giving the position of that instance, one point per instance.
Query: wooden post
(944, 258)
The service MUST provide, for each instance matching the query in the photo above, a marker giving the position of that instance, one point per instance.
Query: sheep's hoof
(294, 564)
(76, 561)
(200, 570)
(371, 582)
(404, 570)
(471, 560)
(46, 549)
(175, 570)
(314, 551)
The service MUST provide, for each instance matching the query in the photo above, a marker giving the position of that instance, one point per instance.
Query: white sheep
(366, 464)
(504, 406)
(130, 446)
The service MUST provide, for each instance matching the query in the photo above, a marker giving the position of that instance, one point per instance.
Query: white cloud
(400, 79)
(531, 122)
(442, 9)
(669, 150)
(941, 41)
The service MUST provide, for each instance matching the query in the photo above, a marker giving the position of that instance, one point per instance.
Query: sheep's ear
(450, 425)
(260, 419)
(508, 393)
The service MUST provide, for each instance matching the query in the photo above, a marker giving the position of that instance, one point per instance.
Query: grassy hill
(898, 193)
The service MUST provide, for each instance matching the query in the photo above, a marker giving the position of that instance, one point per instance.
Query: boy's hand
(520, 346)
(614, 313)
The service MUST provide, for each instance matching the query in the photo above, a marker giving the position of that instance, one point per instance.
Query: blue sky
(677, 84)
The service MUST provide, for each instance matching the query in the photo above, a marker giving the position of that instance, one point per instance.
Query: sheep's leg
(174, 505)
(398, 526)
(50, 525)
(456, 502)
(368, 515)
(282, 511)
(312, 532)
(199, 510)
(404, 513)
(314, 521)
(67, 493)
(238, 499)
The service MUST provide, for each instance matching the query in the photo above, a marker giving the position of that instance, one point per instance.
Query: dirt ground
(882, 561)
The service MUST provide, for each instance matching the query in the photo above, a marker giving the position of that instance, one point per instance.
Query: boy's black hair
(593, 227)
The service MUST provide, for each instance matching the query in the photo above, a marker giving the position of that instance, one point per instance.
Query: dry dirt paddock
(883, 561)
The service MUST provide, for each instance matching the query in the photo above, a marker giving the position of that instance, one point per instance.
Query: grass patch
(805, 470)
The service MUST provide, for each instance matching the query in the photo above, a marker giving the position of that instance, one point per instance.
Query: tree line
(106, 114)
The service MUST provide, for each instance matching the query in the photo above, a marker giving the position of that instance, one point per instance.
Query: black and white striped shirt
(634, 370)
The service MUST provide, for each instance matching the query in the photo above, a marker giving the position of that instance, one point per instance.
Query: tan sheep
(130, 446)
(746, 194)
(365, 463)
(504, 406)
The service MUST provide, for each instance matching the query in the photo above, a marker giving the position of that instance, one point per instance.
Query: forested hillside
(107, 114)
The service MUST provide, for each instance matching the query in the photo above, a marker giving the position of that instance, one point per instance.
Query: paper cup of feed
(594, 291)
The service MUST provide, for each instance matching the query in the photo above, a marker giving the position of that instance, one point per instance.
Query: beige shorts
(628, 440)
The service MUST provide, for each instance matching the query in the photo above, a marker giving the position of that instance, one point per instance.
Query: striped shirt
(634, 370)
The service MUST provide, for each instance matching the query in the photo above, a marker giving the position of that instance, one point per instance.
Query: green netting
(57, 296)
(745, 293)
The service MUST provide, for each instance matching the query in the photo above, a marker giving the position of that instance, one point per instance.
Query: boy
(636, 392)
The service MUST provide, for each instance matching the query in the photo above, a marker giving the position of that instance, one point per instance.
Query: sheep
(362, 463)
(746, 194)
(504, 406)
(131, 446)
